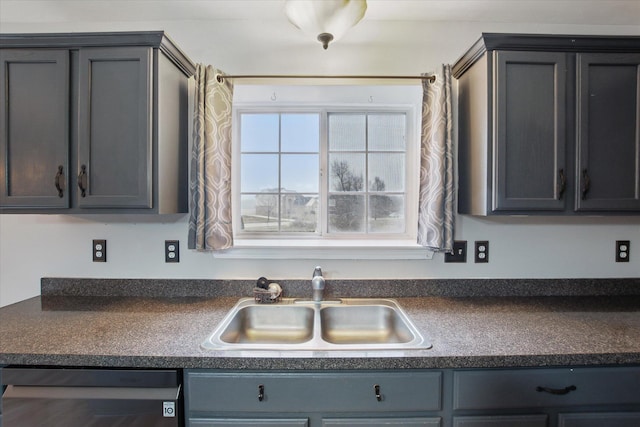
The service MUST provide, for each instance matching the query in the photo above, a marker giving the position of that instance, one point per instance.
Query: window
(279, 169)
(366, 180)
(314, 168)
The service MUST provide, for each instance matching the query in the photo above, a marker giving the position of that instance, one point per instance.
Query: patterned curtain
(210, 184)
(436, 199)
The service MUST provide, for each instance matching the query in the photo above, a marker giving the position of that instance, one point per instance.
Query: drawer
(247, 422)
(536, 388)
(313, 392)
(381, 422)
(599, 419)
(501, 421)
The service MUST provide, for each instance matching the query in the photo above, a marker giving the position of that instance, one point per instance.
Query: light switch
(459, 252)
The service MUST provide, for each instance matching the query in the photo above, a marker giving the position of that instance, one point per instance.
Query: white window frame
(330, 99)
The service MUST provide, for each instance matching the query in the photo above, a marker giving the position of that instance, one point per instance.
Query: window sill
(314, 249)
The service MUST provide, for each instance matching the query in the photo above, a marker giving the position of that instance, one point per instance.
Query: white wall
(33, 246)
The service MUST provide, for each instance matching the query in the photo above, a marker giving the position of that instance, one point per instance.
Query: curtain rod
(220, 77)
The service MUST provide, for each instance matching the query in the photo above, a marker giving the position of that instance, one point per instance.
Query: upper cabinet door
(34, 128)
(115, 123)
(608, 117)
(529, 170)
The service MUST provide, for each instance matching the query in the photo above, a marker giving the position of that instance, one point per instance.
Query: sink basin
(270, 324)
(295, 324)
(364, 324)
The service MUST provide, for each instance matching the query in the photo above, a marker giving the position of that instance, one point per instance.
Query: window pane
(347, 132)
(386, 172)
(387, 132)
(300, 133)
(259, 132)
(346, 172)
(258, 172)
(346, 213)
(386, 214)
(300, 212)
(300, 172)
(259, 212)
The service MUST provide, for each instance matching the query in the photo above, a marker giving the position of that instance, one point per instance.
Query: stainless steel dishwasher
(70, 397)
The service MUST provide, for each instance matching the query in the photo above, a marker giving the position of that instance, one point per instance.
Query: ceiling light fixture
(327, 20)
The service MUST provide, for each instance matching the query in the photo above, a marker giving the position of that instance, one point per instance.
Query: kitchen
(36, 246)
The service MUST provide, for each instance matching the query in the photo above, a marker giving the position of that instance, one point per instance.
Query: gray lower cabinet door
(529, 171)
(234, 422)
(115, 128)
(501, 421)
(34, 128)
(381, 422)
(608, 118)
(608, 419)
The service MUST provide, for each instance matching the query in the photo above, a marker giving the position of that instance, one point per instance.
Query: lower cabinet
(382, 422)
(555, 397)
(313, 399)
(523, 397)
(246, 422)
(304, 422)
(501, 421)
(600, 419)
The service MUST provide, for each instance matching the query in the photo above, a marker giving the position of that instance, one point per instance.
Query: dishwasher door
(90, 398)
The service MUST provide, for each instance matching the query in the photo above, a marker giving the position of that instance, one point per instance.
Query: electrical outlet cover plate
(482, 251)
(623, 248)
(171, 251)
(459, 252)
(99, 250)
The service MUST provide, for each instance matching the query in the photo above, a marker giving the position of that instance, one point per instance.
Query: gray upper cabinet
(94, 123)
(608, 117)
(115, 146)
(549, 125)
(530, 139)
(34, 138)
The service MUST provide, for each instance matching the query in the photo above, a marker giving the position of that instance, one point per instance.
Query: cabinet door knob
(586, 183)
(376, 390)
(82, 180)
(562, 183)
(558, 391)
(261, 392)
(59, 181)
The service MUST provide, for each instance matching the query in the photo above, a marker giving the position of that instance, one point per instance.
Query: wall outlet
(459, 252)
(99, 250)
(482, 251)
(622, 250)
(171, 251)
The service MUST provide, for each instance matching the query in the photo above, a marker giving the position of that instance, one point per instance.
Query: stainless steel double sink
(300, 324)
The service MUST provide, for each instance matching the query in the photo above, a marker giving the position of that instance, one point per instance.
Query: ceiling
(251, 35)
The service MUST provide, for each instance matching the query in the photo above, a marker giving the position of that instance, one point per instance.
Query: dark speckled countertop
(144, 323)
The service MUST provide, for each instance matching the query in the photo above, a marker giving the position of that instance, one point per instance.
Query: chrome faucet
(317, 284)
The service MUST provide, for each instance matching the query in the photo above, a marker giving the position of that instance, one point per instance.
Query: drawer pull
(558, 391)
(586, 183)
(261, 392)
(82, 180)
(59, 181)
(376, 390)
(562, 183)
